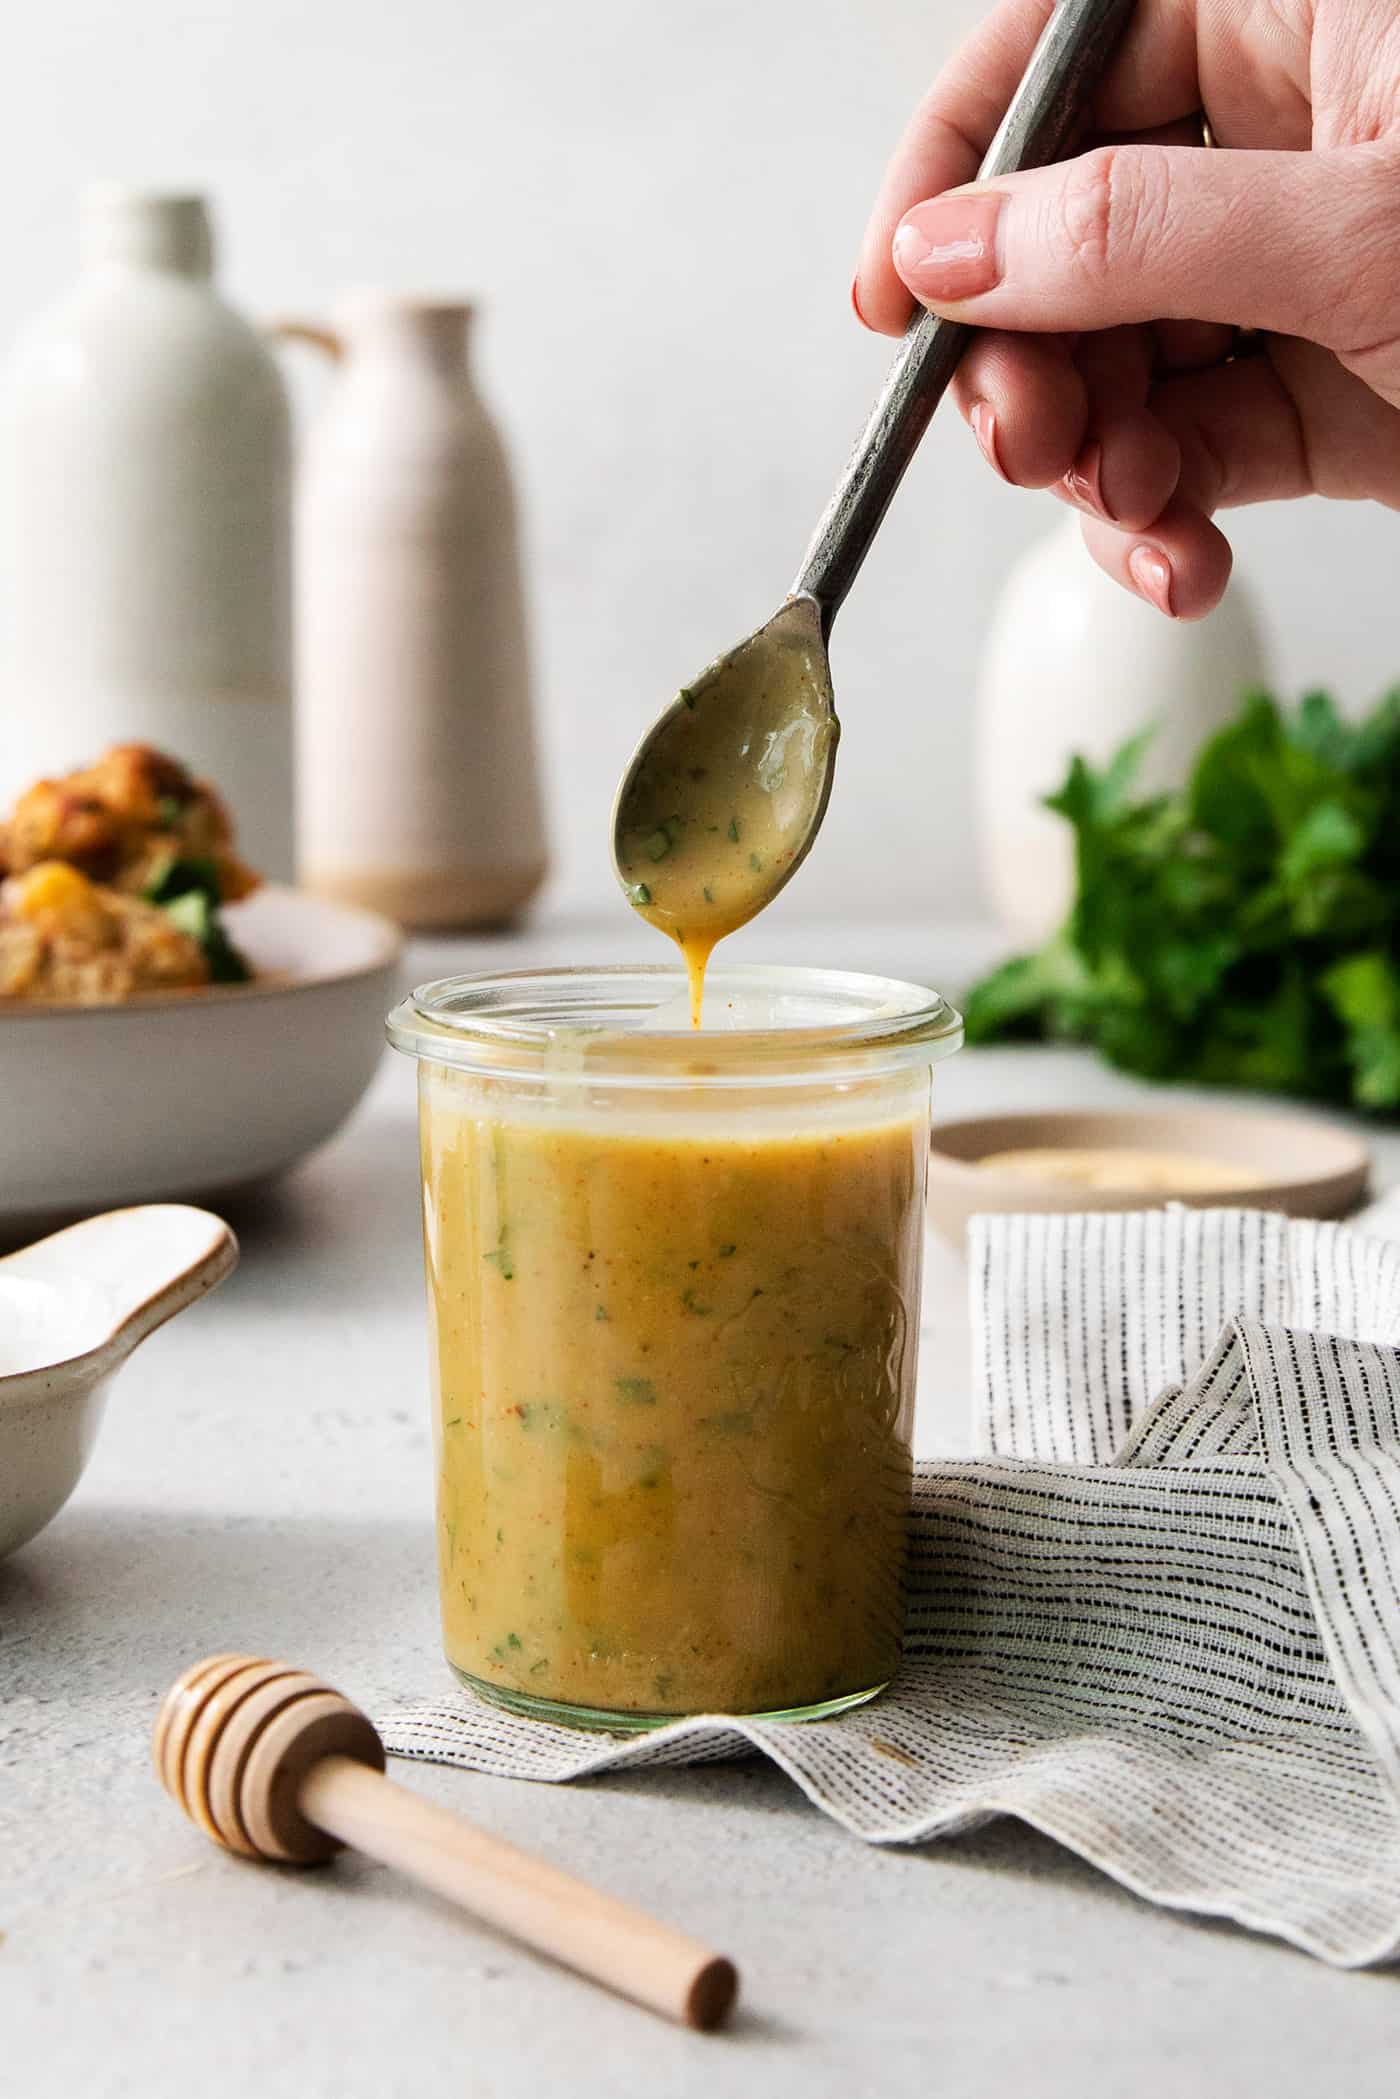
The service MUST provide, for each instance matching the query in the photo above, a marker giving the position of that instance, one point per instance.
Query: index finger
(1151, 79)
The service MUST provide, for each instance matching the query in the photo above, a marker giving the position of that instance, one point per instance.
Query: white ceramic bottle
(145, 486)
(1072, 663)
(418, 781)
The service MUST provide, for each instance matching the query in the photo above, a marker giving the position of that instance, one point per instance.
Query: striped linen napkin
(1160, 1619)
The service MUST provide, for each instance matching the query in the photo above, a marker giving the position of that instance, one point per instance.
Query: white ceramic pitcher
(1074, 663)
(418, 783)
(145, 491)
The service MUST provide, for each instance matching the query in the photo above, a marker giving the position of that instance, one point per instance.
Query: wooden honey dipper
(274, 1764)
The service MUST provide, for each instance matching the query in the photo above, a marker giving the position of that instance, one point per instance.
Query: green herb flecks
(499, 1258)
(708, 894)
(738, 1421)
(638, 893)
(733, 830)
(1243, 930)
(635, 1391)
(756, 863)
(726, 1251)
(541, 1416)
(692, 1304)
(687, 698)
(600, 1312)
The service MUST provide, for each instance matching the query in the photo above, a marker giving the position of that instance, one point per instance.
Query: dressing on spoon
(729, 788)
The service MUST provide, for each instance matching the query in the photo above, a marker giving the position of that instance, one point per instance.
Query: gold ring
(1208, 137)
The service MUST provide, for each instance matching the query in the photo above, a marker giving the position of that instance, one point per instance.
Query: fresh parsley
(1241, 931)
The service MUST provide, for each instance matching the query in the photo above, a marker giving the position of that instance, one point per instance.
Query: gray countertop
(263, 1482)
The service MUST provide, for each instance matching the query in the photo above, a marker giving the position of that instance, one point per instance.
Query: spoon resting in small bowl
(726, 791)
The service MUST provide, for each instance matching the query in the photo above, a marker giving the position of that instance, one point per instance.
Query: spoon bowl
(726, 791)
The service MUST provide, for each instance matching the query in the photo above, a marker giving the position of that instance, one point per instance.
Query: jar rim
(589, 1023)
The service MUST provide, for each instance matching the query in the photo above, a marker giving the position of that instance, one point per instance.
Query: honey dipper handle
(534, 1902)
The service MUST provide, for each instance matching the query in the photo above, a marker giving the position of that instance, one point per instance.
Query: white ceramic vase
(145, 484)
(1074, 663)
(418, 779)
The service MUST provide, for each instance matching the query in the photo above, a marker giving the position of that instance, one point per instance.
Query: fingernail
(1085, 484)
(984, 429)
(946, 249)
(1152, 578)
(855, 302)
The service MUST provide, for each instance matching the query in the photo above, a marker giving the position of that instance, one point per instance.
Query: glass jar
(673, 1280)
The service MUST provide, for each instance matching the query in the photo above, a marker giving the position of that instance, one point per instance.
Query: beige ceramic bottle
(417, 774)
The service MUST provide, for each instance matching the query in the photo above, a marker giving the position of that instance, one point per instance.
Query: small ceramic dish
(1295, 1163)
(197, 1092)
(72, 1308)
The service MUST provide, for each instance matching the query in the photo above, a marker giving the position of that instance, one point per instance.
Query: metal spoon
(726, 791)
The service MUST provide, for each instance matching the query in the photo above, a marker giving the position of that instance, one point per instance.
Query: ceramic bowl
(197, 1093)
(1306, 1167)
(72, 1308)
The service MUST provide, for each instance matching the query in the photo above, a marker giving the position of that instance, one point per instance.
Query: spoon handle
(1052, 98)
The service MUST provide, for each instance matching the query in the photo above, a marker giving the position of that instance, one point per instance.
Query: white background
(658, 203)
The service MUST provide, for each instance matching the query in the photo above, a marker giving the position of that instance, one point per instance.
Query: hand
(1113, 284)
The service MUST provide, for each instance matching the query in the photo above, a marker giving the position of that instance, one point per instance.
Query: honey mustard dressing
(1121, 1166)
(675, 1382)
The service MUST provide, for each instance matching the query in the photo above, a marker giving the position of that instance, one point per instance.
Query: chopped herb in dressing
(541, 1414)
(635, 1391)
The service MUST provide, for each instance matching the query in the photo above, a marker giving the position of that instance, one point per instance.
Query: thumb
(1297, 243)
